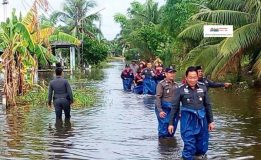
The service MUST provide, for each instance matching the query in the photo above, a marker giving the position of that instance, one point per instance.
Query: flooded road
(124, 126)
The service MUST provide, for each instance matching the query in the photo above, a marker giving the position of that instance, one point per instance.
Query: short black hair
(198, 68)
(58, 71)
(58, 64)
(191, 69)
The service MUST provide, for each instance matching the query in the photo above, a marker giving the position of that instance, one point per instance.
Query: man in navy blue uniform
(61, 93)
(207, 82)
(149, 84)
(196, 116)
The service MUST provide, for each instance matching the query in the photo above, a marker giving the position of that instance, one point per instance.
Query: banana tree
(24, 45)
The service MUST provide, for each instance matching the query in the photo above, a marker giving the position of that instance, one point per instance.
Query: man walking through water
(207, 82)
(149, 84)
(196, 116)
(61, 93)
(164, 98)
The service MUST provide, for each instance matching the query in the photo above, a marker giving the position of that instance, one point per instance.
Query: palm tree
(76, 15)
(221, 55)
(140, 28)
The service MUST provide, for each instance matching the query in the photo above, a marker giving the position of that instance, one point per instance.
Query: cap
(169, 70)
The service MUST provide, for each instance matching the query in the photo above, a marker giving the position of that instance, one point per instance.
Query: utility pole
(5, 3)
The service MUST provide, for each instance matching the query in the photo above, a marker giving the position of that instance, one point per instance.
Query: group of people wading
(188, 103)
(145, 77)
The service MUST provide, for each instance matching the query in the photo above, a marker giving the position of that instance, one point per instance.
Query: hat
(169, 70)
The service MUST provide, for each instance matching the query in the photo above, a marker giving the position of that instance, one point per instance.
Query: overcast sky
(108, 27)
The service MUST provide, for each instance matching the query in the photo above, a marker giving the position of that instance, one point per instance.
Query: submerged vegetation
(83, 97)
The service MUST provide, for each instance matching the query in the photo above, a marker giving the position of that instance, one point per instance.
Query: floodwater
(124, 126)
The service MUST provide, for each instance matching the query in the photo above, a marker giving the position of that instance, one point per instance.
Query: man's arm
(159, 93)
(208, 108)
(176, 105)
(69, 91)
(50, 94)
(122, 76)
(212, 84)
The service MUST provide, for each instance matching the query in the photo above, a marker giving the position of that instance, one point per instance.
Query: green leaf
(23, 31)
(226, 17)
(242, 38)
(63, 37)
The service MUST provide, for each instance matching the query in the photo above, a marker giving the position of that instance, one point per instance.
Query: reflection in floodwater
(124, 126)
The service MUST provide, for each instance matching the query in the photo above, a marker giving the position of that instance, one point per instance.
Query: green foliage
(64, 37)
(83, 97)
(94, 51)
(140, 31)
(231, 51)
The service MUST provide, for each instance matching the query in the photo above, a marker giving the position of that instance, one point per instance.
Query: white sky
(108, 26)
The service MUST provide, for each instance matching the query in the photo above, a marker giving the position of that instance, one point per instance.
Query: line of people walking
(188, 103)
(142, 78)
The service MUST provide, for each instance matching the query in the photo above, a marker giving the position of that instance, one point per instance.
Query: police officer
(127, 77)
(149, 84)
(196, 116)
(207, 82)
(164, 98)
(159, 73)
(61, 93)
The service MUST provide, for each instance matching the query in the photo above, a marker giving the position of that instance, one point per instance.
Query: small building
(57, 44)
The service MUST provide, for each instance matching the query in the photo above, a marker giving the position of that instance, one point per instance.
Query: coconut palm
(140, 28)
(78, 20)
(222, 55)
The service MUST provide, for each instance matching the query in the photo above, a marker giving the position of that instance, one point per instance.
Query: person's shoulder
(176, 84)
(65, 80)
(202, 85)
(181, 85)
(162, 83)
